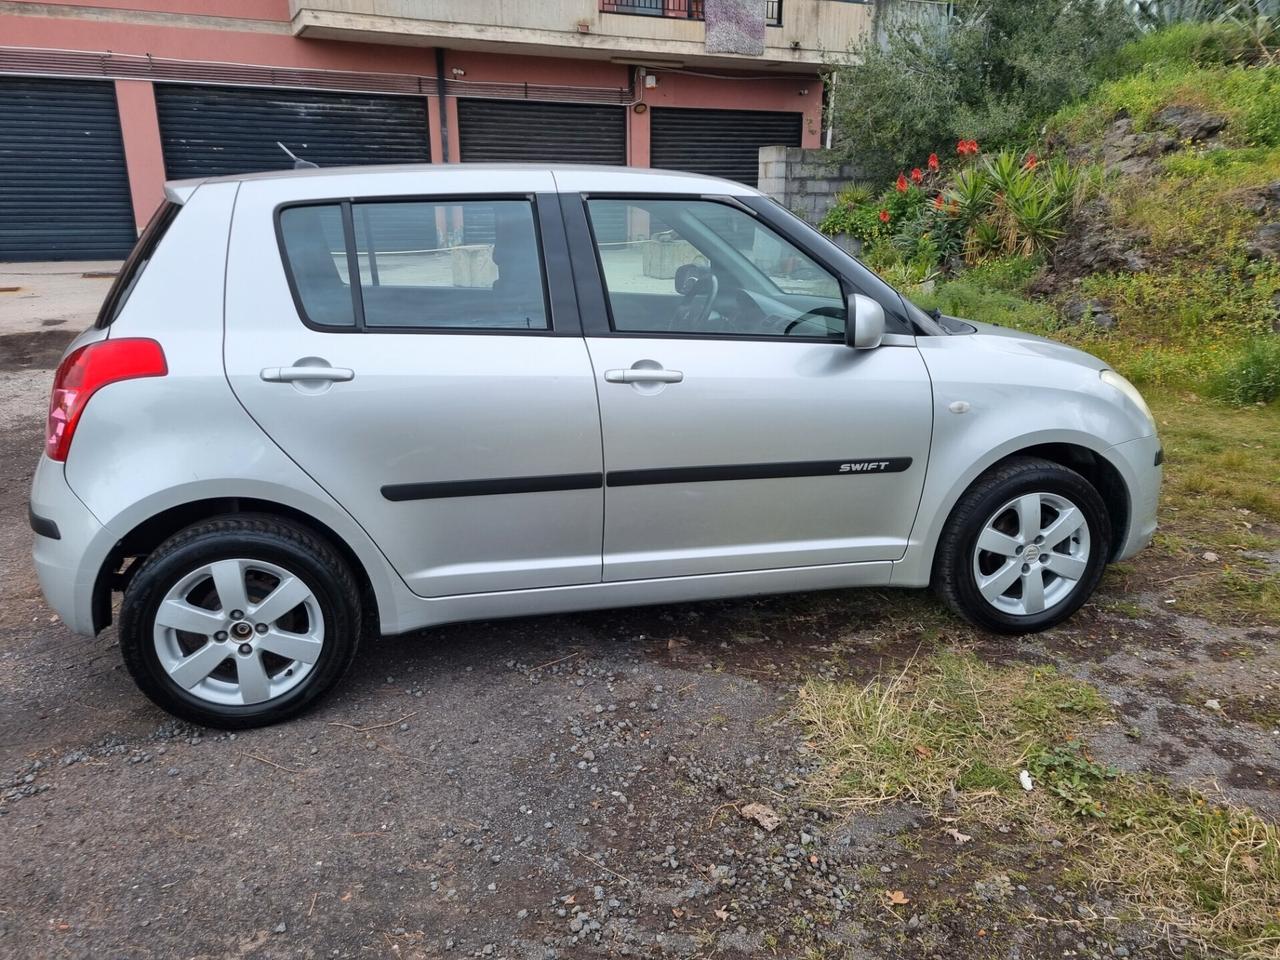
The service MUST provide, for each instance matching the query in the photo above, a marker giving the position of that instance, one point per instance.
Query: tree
(992, 72)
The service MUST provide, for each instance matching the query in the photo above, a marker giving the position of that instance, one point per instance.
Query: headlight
(1111, 378)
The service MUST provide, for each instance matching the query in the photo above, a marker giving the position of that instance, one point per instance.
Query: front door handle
(642, 375)
(298, 374)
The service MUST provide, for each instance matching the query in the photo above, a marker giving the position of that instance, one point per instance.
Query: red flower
(1031, 162)
(884, 216)
(966, 147)
(917, 175)
(902, 184)
(933, 162)
(973, 146)
(938, 202)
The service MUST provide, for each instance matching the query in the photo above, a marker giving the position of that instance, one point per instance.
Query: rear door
(740, 432)
(445, 397)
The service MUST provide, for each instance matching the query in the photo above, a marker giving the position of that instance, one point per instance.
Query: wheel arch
(124, 559)
(1094, 467)
(1081, 453)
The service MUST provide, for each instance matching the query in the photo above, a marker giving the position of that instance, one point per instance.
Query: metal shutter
(499, 131)
(64, 188)
(211, 131)
(719, 143)
(496, 131)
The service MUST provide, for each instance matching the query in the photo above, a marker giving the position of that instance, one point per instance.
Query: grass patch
(933, 730)
(1248, 98)
(1220, 496)
(1253, 376)
(953, 726)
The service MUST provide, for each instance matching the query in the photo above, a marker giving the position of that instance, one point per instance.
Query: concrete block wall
(804, 181)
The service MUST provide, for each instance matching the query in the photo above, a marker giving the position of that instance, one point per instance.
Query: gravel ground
(554, 787)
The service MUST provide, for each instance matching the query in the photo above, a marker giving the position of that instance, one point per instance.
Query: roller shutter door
(524, 131)
(719, 143)
(499, 131)
(213, 131)
(64, 188)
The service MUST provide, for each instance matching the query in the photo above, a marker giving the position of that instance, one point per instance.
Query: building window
(681, 9)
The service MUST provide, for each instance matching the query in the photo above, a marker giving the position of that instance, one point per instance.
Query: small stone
(1212, 704)
(280, 928)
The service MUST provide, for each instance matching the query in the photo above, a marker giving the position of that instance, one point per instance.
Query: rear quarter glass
(136, 262)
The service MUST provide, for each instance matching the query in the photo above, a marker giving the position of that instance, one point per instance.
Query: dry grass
(949, 725)
(952, 727)
(1211, 873)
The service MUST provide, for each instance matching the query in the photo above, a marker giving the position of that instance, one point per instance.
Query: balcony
(681, 9)
(802, 34)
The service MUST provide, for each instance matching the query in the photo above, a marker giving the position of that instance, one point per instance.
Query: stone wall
(804, 181)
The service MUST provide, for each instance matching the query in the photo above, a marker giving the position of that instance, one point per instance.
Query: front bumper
(67, 566)
(1139, 461)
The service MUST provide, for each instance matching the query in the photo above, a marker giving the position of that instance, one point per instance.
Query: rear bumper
(67, 565)
(1140, 463)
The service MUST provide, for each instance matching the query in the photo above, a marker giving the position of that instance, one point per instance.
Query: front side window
(428, 265)
(706, 268)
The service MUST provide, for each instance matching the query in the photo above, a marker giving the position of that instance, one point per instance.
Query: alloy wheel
(238, 632)
(1031, 553)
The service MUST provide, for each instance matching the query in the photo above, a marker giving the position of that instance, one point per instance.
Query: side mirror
(864, 328)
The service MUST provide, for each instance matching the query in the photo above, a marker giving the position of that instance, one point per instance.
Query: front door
(740, 433)
(427, 382)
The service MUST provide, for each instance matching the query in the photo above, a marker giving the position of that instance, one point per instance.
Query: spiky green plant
(969, 195)
(1033, 221)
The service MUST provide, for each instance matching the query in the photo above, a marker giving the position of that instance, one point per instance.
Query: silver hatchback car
(328, 403)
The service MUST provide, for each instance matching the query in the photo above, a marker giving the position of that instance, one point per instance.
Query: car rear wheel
(1024, 548)
(240, 622)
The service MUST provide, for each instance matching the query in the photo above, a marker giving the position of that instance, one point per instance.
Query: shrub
(1006, 203)
(1250, 376)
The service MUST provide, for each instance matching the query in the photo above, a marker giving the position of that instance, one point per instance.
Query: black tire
(953, 575)
(256, 537)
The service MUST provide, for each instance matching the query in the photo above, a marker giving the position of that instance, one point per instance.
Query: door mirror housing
(864, 326)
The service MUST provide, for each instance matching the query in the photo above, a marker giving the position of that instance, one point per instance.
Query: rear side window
(419, 265)
(136, 262)
(317, 255)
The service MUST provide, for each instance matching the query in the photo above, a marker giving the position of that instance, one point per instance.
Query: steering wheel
(693, 282)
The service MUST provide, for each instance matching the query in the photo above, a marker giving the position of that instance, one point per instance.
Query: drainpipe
(443, 110)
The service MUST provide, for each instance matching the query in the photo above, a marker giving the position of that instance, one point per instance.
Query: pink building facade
(206, 87)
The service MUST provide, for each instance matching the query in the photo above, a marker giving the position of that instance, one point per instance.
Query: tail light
(87, 369)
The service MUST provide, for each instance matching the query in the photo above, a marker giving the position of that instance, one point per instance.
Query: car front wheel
(240, 622)
(1024, 548)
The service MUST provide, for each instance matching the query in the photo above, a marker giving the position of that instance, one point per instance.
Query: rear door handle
(634, 375)
(295, 374)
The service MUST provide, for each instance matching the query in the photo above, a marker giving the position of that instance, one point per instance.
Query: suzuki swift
(324, 404)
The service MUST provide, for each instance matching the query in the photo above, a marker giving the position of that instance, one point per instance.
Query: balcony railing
(681, 9)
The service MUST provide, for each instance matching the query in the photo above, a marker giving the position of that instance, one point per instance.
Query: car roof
(483, 178)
